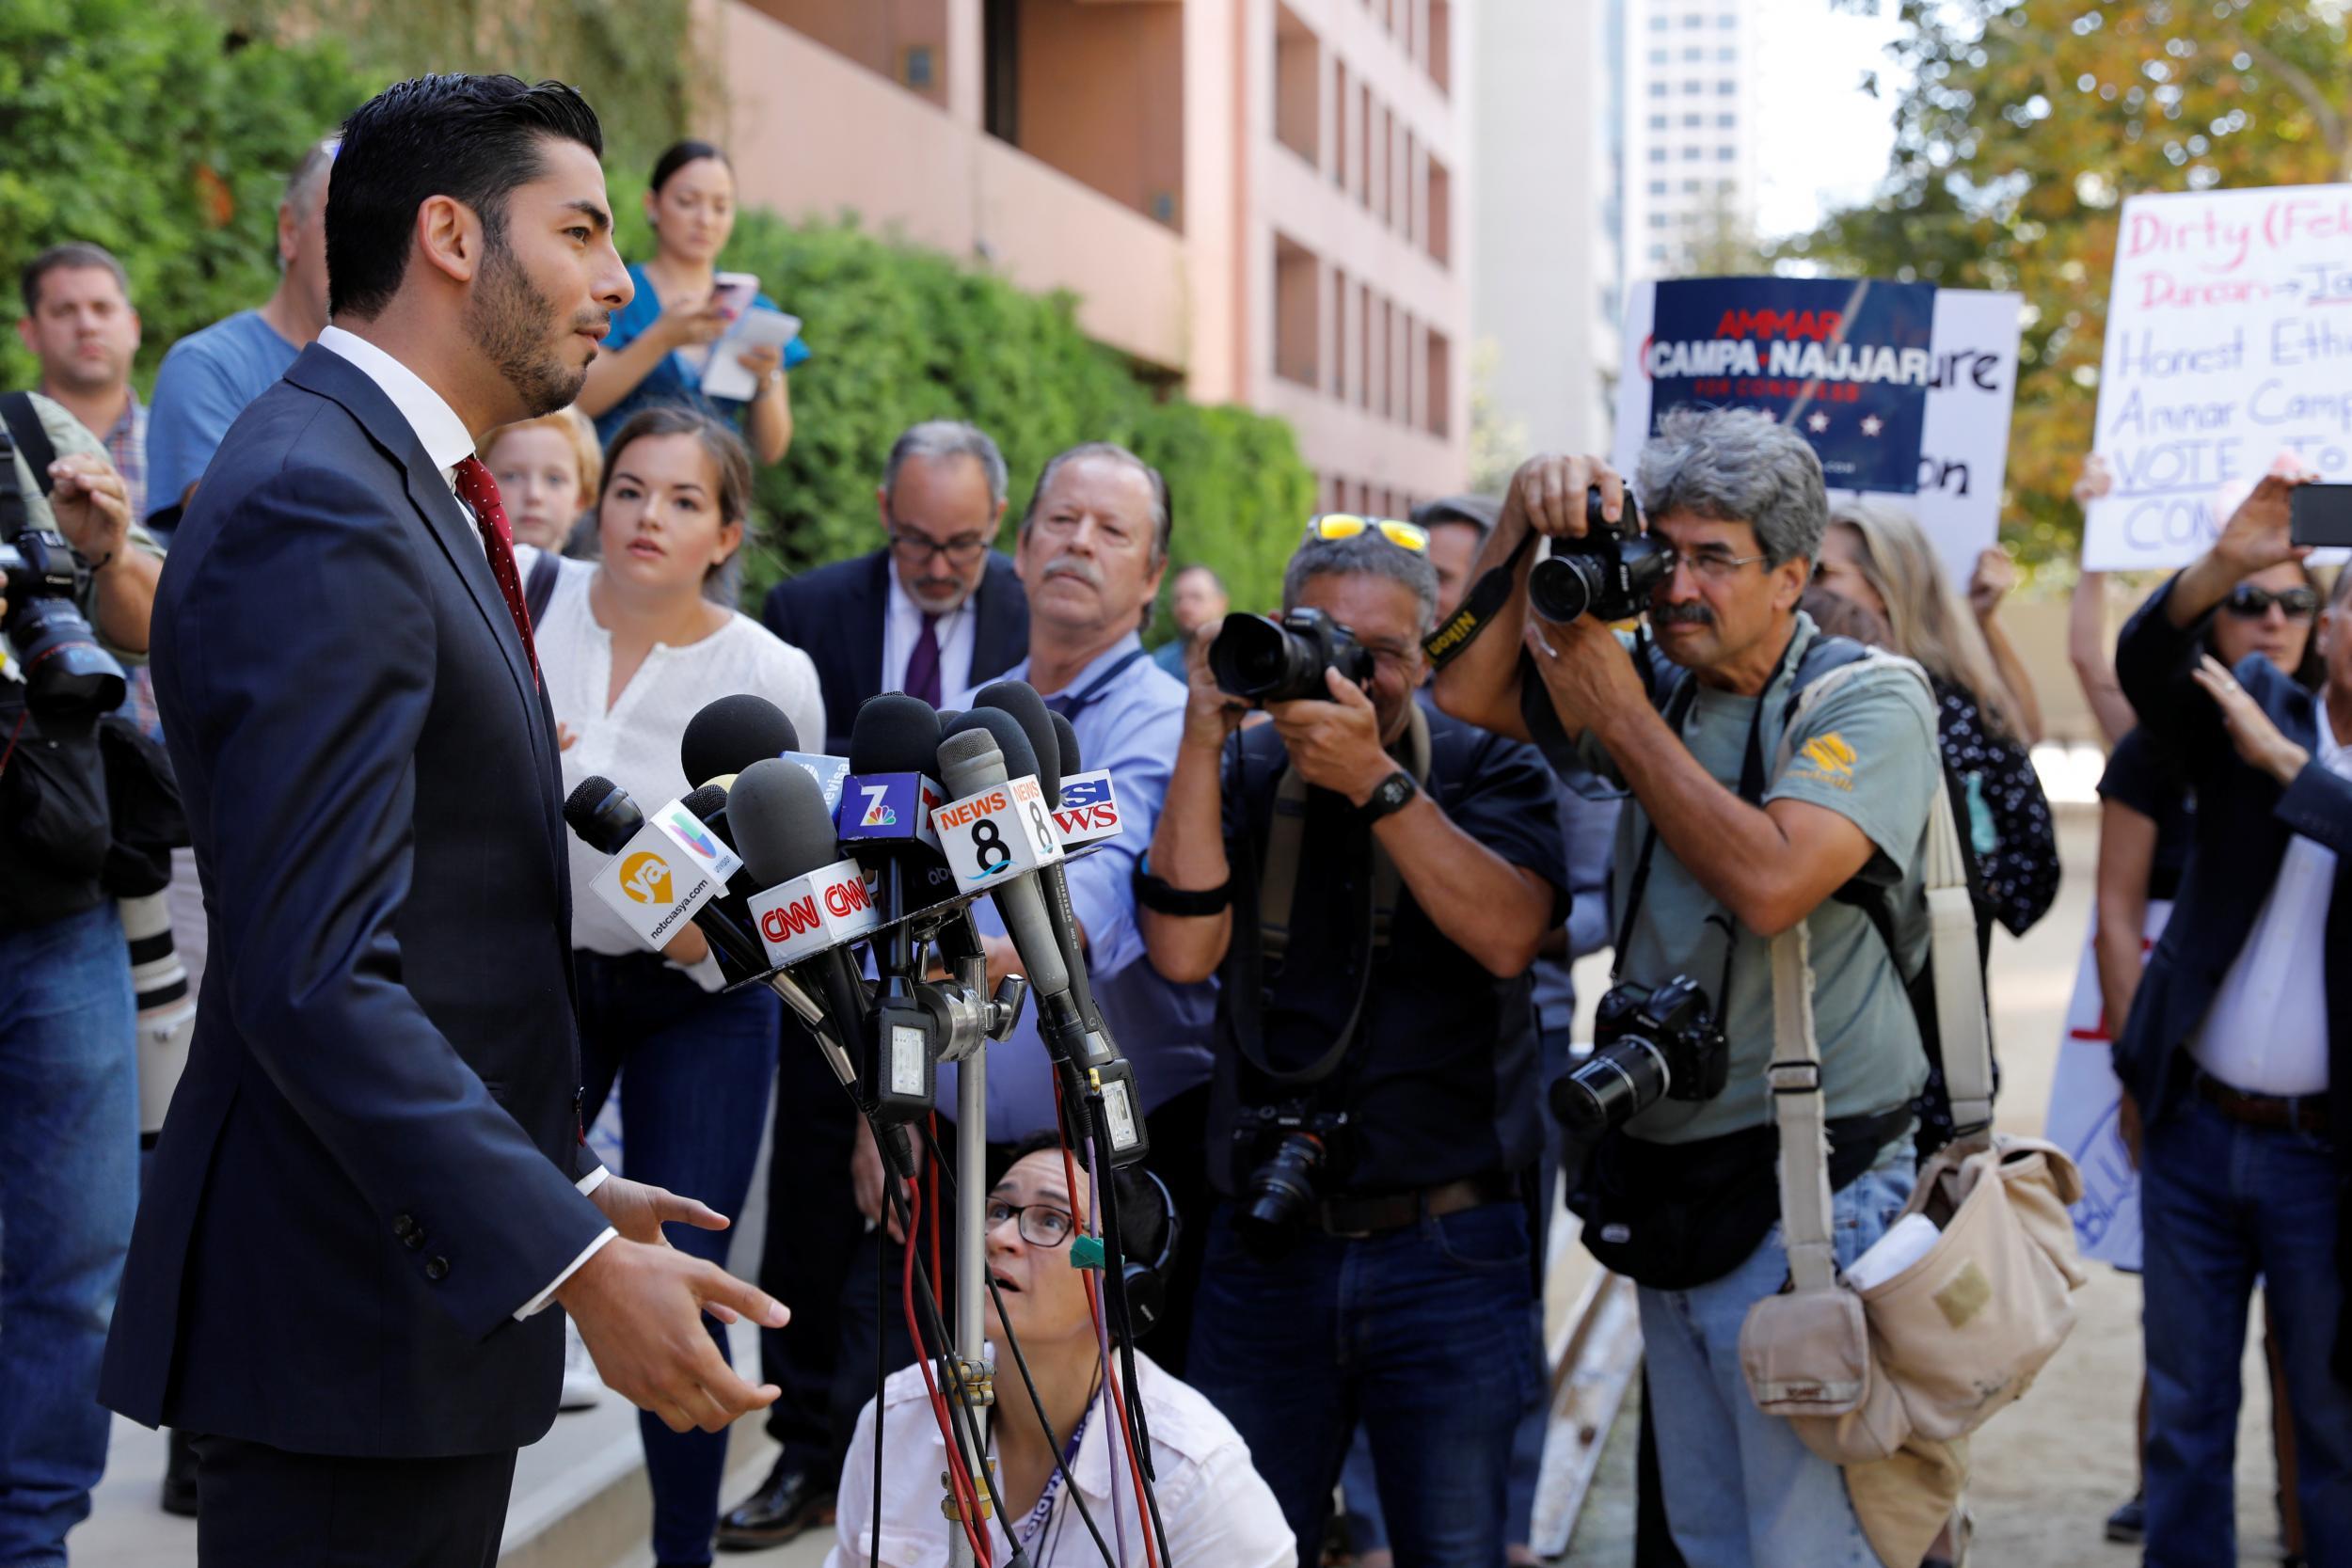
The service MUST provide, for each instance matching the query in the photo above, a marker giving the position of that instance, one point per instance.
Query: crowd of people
(448, 526)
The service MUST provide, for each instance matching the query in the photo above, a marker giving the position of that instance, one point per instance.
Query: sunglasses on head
(1346, 525)
(2252, 603)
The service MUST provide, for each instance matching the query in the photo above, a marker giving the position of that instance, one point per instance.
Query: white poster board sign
(2085, 1102)
(1964, 447)
(2228, 345)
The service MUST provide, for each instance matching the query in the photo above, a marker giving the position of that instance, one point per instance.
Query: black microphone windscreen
(1011, 739)
(602, 813)
(706, 802)
(782, 829)
(1073, 761)
(1020, 699)
(894, 733)
(731, 734)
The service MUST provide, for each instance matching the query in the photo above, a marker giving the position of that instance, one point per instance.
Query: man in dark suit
(373, 1179)
(2238, 1049)
(939, 614)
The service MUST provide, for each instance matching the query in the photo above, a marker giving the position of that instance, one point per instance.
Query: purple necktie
(923, 663)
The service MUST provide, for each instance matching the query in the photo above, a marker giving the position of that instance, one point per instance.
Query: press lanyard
(1039, 1518)
(1070, 706)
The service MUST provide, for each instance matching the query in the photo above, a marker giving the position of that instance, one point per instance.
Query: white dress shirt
(448, 443)
(1220, 1512)
(956, 631)
(2266, 1032)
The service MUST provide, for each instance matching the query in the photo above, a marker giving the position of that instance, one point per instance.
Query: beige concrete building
(1261, 201)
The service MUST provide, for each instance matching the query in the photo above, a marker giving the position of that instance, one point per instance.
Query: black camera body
(69, 679)
(1607, 573)
(1294, 1151)
(1262, 660)
(1649, 1043)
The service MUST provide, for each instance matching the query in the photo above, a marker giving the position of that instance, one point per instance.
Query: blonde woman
(546, 469)
(1883, 561)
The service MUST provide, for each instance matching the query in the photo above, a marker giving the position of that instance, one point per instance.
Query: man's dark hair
(1478, 512)
(58, 258)
(471, 138)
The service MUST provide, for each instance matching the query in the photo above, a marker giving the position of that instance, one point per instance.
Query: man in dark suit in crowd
(938, 613)
(2237, 1054)
(373, 1179)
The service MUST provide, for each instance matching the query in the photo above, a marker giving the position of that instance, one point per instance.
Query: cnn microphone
(814, 901)
(996, 835)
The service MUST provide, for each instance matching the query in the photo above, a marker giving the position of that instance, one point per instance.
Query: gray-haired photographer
(87, 813)
(1718, 852)
(1369, 879)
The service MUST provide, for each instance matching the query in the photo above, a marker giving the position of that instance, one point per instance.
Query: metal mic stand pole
(974, 1377)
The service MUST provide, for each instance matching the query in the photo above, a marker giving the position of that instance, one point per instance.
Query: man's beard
(508, 320)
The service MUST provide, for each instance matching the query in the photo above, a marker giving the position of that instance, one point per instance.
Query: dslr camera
(68, 678)
(1649, 1043)
(1262, 660)
(1292, 1148)
(1607, 574)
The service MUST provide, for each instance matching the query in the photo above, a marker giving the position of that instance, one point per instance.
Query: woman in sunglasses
(2146, 819)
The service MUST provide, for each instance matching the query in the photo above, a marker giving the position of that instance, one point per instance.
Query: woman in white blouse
(630, 651)
(1216, 1509)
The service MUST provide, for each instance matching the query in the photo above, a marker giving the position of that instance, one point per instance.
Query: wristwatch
(1391, 794)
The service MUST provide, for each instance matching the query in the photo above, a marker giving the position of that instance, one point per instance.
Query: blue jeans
(1421, 1332)
(2222, 1203)
(68, 1185)
(1741, 1489)
(695, 1071)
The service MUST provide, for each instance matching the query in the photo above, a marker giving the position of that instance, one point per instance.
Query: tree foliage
(901, 334)
(148, 127)
(2026, 124)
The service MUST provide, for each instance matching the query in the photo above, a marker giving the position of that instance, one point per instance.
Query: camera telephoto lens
(68, 676)
(1616, 1084)
(1255, 658)
(1281, 1197)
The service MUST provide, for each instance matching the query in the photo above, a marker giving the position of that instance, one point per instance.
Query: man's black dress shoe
(179, 1474)
(791, 1500)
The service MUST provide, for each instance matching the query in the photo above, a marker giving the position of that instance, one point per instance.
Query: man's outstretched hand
(638, 1304)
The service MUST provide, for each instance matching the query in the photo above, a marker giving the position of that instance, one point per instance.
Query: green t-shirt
(1867, 752)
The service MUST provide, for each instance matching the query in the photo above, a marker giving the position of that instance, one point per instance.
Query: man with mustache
(1718, 852)
(373, 1181)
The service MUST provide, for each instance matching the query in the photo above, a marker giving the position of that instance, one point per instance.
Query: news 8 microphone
(996, 836)
(1028, 710)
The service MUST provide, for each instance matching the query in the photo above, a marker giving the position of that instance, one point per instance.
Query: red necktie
(478, 490)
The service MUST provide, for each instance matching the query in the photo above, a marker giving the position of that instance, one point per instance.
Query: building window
(1658, 122)
(1658, 220)
(1657, 253)
(1440, 385)
(1658, 56)
(1728, 21)
(1695, 20)
(1695, 51)
(1692, 121)
(1658, 89)
(1658, 23)
(1725, 123)
(1693, 87)
(1727, 53)
(1296, 305)
(1297, 83)
(1658, 187)
(1689, 154)
(1722, 89)
(1690, 186)
(1727, 154)
(1657, 154)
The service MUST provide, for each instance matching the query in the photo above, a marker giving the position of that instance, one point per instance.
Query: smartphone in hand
(733, 292)
(2320, 515)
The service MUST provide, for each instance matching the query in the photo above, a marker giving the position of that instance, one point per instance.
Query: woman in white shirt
(1216, 1509)
(630, 651)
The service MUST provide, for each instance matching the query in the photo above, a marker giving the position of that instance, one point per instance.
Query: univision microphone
(998, 835)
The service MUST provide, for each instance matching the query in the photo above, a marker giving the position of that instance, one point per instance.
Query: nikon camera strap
(1277, 892)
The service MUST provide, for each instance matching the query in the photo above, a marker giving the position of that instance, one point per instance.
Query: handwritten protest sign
(1963, 452)
(2085, 1116)
(2229, 344)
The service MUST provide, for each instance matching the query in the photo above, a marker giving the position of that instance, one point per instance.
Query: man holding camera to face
(1369, 880)
(1718, 851)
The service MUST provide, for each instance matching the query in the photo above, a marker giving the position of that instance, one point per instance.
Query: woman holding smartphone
(662, 341)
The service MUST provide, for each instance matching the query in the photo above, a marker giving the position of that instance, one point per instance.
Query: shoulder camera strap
(31, 436)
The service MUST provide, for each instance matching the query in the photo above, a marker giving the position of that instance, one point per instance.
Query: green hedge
(901, 334)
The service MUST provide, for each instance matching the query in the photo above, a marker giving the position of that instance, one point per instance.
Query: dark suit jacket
(835, 615)
(369, 1163)
(2243, 820)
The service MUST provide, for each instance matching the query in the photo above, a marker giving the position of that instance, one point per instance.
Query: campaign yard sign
(2228, 348)
(1961, 455)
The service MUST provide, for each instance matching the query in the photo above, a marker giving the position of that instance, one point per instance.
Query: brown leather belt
(1368, 1216)
(2303, 1114)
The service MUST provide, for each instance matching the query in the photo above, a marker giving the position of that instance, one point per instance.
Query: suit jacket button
(412, 1238)
(435, 1269)
(404, 1225)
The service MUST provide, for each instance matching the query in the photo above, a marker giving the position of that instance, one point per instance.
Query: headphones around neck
(1147, 1283)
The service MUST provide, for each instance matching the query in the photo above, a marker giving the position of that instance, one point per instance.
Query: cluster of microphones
(789, 862)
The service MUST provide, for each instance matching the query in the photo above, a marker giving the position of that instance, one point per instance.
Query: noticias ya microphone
(666, 871)
(996, 833)
(812, 902)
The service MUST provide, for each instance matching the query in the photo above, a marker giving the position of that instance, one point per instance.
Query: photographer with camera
(78, 578)
(1717, 854)
(1369, 880)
